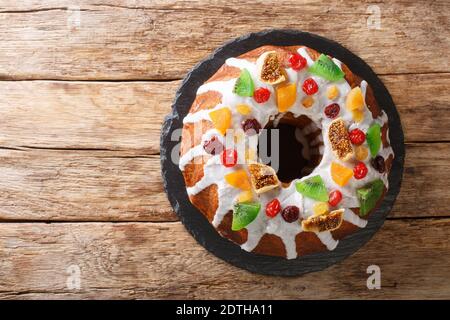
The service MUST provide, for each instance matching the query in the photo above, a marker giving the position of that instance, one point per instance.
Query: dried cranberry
(310, 86)
(378, 164)
(357, 137)
(290, 213)
(360, 170)
(335, 197)
(229, 158)
(261, 95)
(297, 61)
(251, 126)
(273, 207)
(213, 146)
(332, 110)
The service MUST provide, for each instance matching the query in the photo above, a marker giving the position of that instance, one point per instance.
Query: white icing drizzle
(214, 171)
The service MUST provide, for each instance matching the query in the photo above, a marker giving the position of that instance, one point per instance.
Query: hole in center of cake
(297, 153)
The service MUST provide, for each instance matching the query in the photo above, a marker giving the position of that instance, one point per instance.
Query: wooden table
(83, 92)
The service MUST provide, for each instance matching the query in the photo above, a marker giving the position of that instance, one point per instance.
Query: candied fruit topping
(340, 142)
(251, 127)
(357, 137)
(229, 158)
(310, 86)
(308, 101)
(221, 119)
(332, 110)
(297, 61)
(355, 100)
(374, 139)
(261, 95)
(244, 85)
(332, 92)
(320, 208)
(340, 174)
(358, 115)
(325, 222)
(243, 109)
(270, 68)
(290, 214)
(238, 179)
(286, 95)
(335, 197)
(361, 153)
(213, 146)
(243, 214)
(245, 196)
(378, 164)
(263, 177)
(250, 155)
(360, 170)
(273, 208)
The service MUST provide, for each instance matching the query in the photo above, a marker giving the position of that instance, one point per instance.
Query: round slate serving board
(195, 222)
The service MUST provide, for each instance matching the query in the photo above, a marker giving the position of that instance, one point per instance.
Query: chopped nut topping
(340, 142)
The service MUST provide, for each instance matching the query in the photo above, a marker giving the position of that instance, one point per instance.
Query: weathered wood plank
(129, 115)
(84, 115)
(81, 185)
(163, 39)
(147, 260)
(106, 185)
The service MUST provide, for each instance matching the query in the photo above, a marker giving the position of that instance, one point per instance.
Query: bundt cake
(285, 151)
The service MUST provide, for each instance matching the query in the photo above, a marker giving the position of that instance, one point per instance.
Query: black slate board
(194, 221)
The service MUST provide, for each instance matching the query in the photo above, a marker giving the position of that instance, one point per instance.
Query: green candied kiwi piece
(369, 195)
(373, 137)
(244, 85)
(243, 214)
(313, 188)
(325, 68)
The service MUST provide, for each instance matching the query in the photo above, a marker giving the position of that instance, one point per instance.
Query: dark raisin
(251, 126)
(332, 110)
(378, 164)
(213, 146)
(290, 213)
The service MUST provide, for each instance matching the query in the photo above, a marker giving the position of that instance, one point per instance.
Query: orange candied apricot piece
(239, 179)
(340, 174)
(286, 95)
(221, 119)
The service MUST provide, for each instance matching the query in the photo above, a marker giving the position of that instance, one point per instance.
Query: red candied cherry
(213, 146)
(229, 158)
(273, 207)
(335, 197)
(357, 137)
(310, 86)
(297, 61)
(360, 170)
(290, 213)
(261, 95)
(332, 110)
(251, 126)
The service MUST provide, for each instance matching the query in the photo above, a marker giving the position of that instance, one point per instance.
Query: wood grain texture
(163, 39)
(148, 260)
(118, 186)
(83, 154)
(128, 115)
